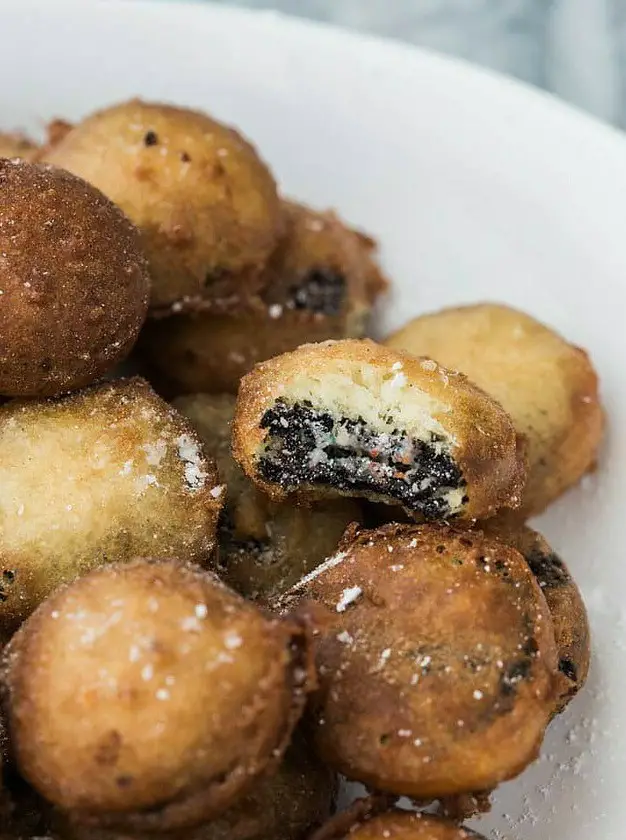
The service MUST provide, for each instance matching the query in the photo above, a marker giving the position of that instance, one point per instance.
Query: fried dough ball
(204, 201)
(264, 547)
(283, 805)
(548, 386)
(15, 145)
(567, 608)
(104, 475)
(436, 658)
(149, 696)
(397, 825)
(352, 418)
(73, 279)
(321, 283)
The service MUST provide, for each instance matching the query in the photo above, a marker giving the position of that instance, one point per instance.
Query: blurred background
(573, 48)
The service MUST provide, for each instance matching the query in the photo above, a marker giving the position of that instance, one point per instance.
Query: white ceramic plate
(477, 189)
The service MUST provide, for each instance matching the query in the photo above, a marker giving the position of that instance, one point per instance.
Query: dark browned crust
(417, 628)
(56, 130)
(74, 282)
(271, 715)
(567, 608)
(491, 458)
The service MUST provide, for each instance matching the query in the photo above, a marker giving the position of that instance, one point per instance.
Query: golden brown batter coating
(567, 608)
(354, 418)
(15, 145)
(397, 825)
(149, 696)
(321, 283)
(264, 547)
(436, 658)
(204, 201)
(210, 352)
(73, 280)
(282, 805)
(325, 268)
(548, 386)
(101, 476)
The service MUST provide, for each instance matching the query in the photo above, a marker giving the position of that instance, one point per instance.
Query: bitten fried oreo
(436, 657)
(150, 697)
(352, 418)
(104, 475)
(321, 283)
(548, 386)
(74, 282)
(205, 203)
(396, 825)
(567, 608)
(264, 547)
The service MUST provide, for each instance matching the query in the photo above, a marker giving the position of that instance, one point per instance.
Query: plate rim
(442, 62)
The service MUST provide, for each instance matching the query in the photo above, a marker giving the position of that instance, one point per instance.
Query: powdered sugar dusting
(348, 596)
(232, 640)
(189, 452)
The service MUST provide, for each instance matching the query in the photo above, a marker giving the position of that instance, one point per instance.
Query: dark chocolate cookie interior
(320, 290)
(548, 568)
(307, 446)
(572, 633)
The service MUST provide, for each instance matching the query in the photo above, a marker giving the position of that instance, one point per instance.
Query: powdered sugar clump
(189, 452)
(348, 596)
